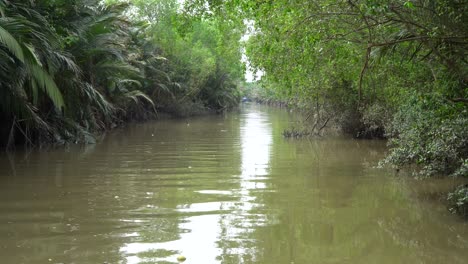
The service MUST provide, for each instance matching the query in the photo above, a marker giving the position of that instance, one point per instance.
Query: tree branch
(363, 70)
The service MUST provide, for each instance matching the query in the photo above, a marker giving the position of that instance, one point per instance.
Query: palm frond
(96, 98)
(67, 62)
(130, 82)
(35, 93)
(2, 8)
(164, 87)
(160, 73)
(47, 84)
(30, 54)
(15, 103)
(9, 42)
(137, 96)
(111, 67)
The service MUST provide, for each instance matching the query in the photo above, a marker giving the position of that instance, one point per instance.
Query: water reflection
(213, 230)
(256, 140)
(197, 242)
(222, 190)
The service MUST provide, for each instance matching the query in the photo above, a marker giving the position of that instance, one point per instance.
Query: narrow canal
(221, 189)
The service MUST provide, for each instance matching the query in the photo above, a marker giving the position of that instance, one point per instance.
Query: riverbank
(442, 154)
(82, 136)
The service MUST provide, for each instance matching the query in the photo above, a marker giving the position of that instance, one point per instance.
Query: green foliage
(29, 59)
(358, 61)
(72, 68)
(375, 118)
(458, 201)
(201, 64)
(9, 42)
(431, 132)
(374, 68)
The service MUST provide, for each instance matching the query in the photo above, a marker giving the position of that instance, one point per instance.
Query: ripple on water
(225, 189)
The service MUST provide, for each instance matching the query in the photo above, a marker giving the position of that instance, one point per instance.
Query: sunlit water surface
(221, 189)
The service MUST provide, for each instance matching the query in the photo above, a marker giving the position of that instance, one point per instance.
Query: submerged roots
(293, 133)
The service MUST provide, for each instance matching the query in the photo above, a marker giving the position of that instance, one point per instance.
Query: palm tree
(102, 48)
(29, 58)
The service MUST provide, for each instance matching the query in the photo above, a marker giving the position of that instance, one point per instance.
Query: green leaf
(35, 92)
(8, 41)
(47, 84)
(30, 53)
(137, 95)
(408, 4)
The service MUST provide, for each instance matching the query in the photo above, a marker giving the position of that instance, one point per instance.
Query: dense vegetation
(69, 69)
(377, 68)
(374, 68)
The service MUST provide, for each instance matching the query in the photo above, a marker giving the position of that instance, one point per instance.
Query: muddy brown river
(221, 189)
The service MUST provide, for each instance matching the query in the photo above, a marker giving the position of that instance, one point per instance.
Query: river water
(221, 189)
